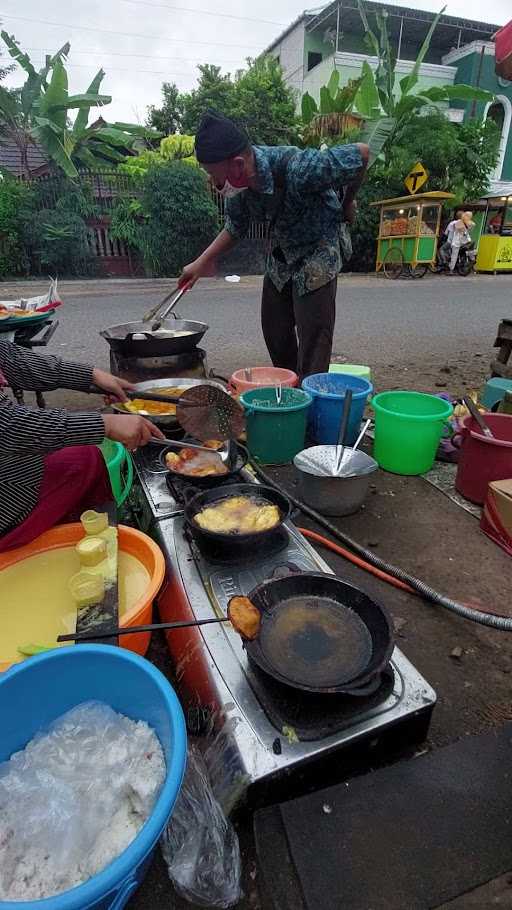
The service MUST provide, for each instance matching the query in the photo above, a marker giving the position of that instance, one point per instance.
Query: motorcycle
(466, 260)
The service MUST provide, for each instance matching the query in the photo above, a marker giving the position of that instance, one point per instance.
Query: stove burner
(314, 717)
(233, 554)
(190, 365)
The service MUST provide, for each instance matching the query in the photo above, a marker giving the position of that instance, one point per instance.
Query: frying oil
(36, 604)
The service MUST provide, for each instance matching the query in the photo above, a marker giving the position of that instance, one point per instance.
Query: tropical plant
(172, 148)
(181, 218)
(459, 158)
(332, 116)
(380, 93)
(39, 113)
(15, 205)
(57, 243)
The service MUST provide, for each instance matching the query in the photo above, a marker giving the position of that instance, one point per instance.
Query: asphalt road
(407, 331)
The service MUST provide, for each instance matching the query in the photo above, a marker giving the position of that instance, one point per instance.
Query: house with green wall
(462, 50)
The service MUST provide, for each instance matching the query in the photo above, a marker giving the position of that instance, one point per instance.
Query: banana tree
(40, 113)
(18, 107)
(380, 95)
(334, 115)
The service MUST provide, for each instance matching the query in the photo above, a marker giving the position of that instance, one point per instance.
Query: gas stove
(188, 365)
(256, 733)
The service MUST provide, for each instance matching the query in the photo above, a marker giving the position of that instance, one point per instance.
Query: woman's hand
(130, 429)
(114, 387)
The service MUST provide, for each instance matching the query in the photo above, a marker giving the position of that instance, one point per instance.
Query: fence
(104, 189)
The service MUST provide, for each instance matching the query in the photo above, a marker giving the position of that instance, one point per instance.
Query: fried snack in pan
(244, 617)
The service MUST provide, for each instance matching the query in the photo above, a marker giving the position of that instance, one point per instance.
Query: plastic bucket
(275, 432)
(328, 393)
(35, 693)
(120, 468)
(262, 377)
(408, 428)
(352, 369)
(131, 541)
(481, 459)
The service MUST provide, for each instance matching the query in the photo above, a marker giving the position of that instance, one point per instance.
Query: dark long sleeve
(28, 434)
(32, 372)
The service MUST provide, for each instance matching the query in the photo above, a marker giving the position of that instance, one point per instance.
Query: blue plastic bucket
(328, 393)
(34, 693)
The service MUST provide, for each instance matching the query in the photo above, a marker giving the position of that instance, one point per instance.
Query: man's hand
(114, 387)
(200, 268)
(130, 429)
(350, 211)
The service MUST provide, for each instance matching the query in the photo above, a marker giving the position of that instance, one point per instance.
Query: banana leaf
(309, 108)
(334, 83)
(326, 101)
(82, 118)
(376, 134)
(367, 101)
(409, 81)
(54, 99)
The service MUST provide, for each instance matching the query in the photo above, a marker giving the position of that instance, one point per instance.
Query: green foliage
(168, 118)
(257, 97)
(127, 221)
(333, 100)
(40, 111)
(57, 243)
(459, 158)
(174, 220)
(378, 91)
(172, 148)
(214, 90)
(181, 217)
(265, 104)
(15, 205)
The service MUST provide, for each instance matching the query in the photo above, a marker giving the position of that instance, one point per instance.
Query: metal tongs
(176, 295)
(224, 452)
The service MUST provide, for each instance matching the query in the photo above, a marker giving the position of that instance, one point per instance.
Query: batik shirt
(296, 193)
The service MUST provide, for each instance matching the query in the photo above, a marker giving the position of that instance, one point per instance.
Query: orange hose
(341, 551)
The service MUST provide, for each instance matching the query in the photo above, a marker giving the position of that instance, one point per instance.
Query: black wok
(234, 543)
(320, 634)
(238, 458)
(135, 339)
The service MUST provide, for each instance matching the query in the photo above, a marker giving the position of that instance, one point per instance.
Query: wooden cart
(409, 233)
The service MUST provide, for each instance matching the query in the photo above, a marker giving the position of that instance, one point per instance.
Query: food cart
(408, 233)
(495, 244)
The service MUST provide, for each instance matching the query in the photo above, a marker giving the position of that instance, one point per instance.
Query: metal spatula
(223, 453)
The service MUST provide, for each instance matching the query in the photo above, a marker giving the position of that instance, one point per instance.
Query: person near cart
(51, 468)
(307, 197)
(459, 236)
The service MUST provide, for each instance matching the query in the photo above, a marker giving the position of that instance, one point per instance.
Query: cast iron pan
(320, 634)
(238, 458)
(234, 542)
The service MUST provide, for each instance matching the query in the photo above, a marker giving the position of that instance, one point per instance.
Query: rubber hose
(501, 623)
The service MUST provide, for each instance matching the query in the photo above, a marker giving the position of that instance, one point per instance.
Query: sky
(142, 43)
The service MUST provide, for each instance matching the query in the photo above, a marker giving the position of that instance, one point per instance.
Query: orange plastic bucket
(262, 377)
(131, 541)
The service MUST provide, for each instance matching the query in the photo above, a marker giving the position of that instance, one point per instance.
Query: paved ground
(406, 330)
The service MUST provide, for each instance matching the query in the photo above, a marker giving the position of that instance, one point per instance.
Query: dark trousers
(298, 331)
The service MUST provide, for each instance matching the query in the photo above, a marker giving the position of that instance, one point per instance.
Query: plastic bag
(200, 845)
(74, 799)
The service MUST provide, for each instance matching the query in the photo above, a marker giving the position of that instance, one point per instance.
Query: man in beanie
(298, 193)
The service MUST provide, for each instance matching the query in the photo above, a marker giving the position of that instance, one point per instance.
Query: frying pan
(166, 421)
(234, 542)
(238, 458)
(320, 634)
(153, 344)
